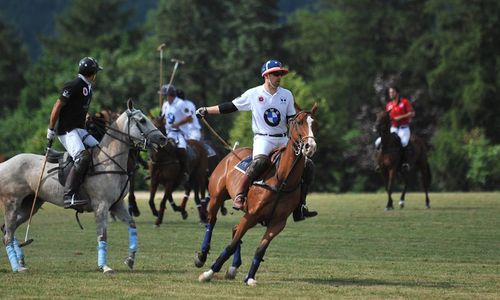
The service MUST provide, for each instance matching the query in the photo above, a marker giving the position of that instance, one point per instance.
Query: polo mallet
(176, 65)
(160, 48)
(226, 144)
(26, 241)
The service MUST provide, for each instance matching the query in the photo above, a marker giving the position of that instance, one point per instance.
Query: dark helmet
(271, 66)
(168, 89)
(180, 94)
(88, 66)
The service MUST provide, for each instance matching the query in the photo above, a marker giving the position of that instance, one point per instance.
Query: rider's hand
(51, 134)
(201, 112)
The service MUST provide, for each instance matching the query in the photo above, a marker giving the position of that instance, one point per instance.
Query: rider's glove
(51, 134)
(201, 112)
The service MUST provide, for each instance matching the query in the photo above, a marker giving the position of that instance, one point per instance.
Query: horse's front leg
(246, 222)
(121, 213)
(133, 209)
(213, 209)
(163, 203)
(101, 216)
(152, 192)
(272, 231)
(389, 181)
(405, 186)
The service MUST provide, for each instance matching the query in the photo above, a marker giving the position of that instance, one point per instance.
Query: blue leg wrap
(132, 239)
(237, 256)
(11, 254)
(19, 250)
(102, 253)
(205, 246)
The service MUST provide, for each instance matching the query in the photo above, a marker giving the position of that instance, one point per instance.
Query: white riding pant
(75, 141)
(403, 132)
(263, 144)
(194, 135)
(178, 137)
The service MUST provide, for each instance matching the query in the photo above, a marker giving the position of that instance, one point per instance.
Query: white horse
(105, 185)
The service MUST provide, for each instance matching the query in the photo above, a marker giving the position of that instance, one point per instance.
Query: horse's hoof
(184, 214)
(22, 263)
(223, 211)
(231, 273)
(401, 204)
(197, 261)
(129, 261)
(206, 276)
(428, 206)
(22, 270)
(389, 208)
(251, 282)
(155, 226)
(107, 270)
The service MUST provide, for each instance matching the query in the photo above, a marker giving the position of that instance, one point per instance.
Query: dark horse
(164, 168)
(215, 154)
(390, 155)
(269, 202)
(96, 126)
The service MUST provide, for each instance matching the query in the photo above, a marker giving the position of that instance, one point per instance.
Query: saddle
(275, 156)
(65, 163)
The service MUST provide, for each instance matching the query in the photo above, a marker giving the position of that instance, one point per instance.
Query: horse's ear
(130, 104)
(314, 108)
(297, 107)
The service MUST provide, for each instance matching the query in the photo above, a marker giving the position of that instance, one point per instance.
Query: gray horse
(105, 185)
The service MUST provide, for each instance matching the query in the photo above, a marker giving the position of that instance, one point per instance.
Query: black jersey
(76, 96)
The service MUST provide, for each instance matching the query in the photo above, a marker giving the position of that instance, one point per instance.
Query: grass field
(353, 249)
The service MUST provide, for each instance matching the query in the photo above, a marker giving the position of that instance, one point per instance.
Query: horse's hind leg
(405, 186)
(389, 178)
(121, 213)
(233, 269)
(272, 231)
(246, 222)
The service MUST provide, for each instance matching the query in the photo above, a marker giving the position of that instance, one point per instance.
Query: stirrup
(73, 201)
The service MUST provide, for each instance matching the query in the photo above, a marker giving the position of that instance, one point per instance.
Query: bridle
(300, 141)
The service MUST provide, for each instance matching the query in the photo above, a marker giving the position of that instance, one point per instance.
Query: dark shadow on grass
(335, 282)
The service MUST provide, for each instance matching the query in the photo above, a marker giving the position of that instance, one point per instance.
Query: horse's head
(382, 123)
(302, 128)
(159, 122)
(140, 130)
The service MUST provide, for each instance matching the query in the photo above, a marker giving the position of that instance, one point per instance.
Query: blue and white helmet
(271, 66)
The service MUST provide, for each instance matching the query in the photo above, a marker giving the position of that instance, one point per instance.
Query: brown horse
(389, 159)
(164, 168)
(97, 125)
(269, 202)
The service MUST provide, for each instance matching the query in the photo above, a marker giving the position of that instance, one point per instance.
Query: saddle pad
(242, 166)
(209, 149)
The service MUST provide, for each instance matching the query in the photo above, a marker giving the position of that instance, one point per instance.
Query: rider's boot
(405, 166)
(242, 194)
(74, 180)
(183, 160)
(301, 212)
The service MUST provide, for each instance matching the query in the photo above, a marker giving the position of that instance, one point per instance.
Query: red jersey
(402, 108)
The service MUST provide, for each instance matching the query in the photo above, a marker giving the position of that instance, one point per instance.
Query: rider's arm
(223, 108)
(55, 113)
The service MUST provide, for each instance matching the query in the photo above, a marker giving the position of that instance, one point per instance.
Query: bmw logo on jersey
(170, 118)
(272, 116)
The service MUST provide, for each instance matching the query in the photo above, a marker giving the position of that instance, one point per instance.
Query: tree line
(342, 54)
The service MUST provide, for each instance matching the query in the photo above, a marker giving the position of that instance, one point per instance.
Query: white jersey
(175, 112)
(193, 126)
(269, 112)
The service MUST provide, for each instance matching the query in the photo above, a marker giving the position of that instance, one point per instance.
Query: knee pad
(82, 161)
(259, 164)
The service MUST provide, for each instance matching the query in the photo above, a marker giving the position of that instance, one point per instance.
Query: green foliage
(12, 67)
(484, 162)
